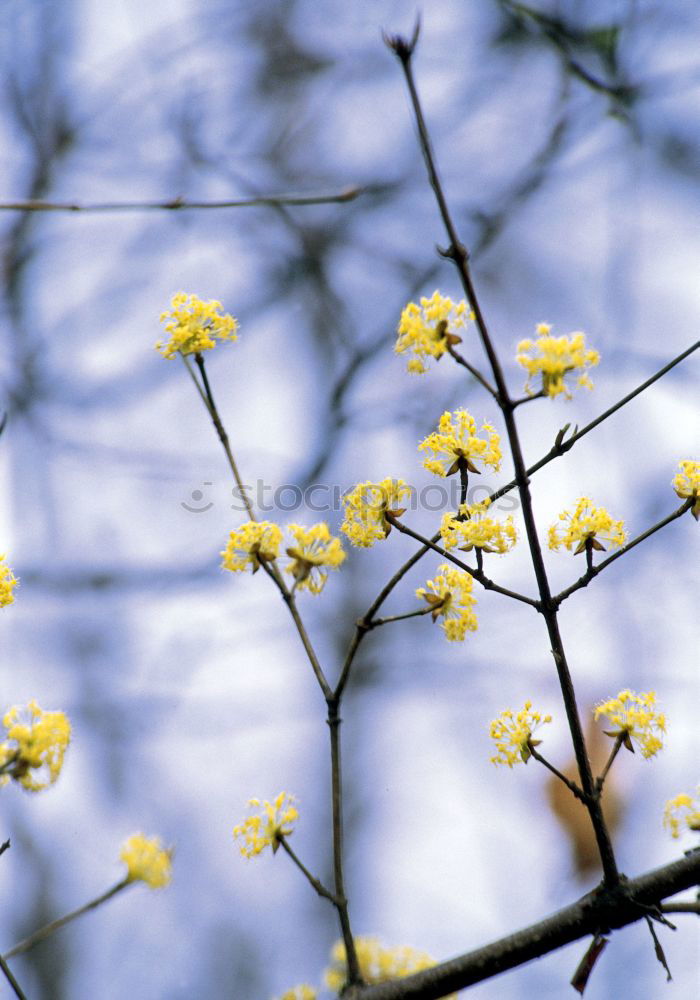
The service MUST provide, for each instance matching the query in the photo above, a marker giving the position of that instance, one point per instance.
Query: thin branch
(600, 910)
(181, 204)
(458, 254)
(571, 785)
(562, 446)
(486, 583)
(681, 908)
(600, 780)
(593, 571)
(376, 622)
(317, 885)
(16, 988)
(528, 399)
(472, 370)
(5, 846)
(48, 929)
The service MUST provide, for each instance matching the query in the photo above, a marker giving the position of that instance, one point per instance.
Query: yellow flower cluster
(512, 734)
(456, 445)
(428, 330)
(314, 552)
(553, 358)
(194, 326)
(450, 597)
(377, 963)
(302, 992)
(684, 810)
(687, 484)
(254, 543)
(636, 720)
(366, 509)
(147, 861)
(8, 582)
(266, 828)
(586, 523)
(471, 528)
(34, 746)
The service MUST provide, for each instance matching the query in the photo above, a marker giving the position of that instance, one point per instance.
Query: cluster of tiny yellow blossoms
(471, 528)
(636, 721)
(34, 746)
(194, 326)
(254, 543)
(683, 810)
(456, 445)
(377, 963)
(586, 526)
(8, 582)
(553, 358)
(512, 734)
(687, 485)
(366, 509)
(302, 992)
(450, 598)
(147, 861)
(428, 330)
(267, 827)
(315, 552)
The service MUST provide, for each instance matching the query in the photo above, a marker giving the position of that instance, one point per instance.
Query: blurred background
(569, 144)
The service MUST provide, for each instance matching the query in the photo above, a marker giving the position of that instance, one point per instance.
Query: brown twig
(180, 204)
(316, 884)
(571, 785)
(458, 254)
(7, 973)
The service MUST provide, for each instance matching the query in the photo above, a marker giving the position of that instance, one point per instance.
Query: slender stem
(561, 447)
(376, 622)
(600, 780)
(56, 925)
(681, 908)
(315, 883)
(593, 571)
(528, 399)
(486, 583)
(472, 370)
(334, 720)
(457, 252)
(5, 846)
(361, 628)
(571, 785)
(16, 988)
(223, 436)
(179, 204)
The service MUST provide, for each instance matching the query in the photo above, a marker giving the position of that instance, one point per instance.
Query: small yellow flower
(456, 445)
(429, 329)
(553, 358)
(512, 734)
(586, 526)
(315, 551)
(267, 827)
(254, 543)
(8, 582)
(684, 810)
(687, 485)
(194, 326)
(450, 597)
(34, 747)
(147, 861)
(471, 528)
(636, 720)
(366, 509)
(302, 992)
(377, 963)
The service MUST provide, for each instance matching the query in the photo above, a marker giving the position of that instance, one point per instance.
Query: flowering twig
(600, 780)
(485, 582)
(376, 622)
(528, 399)
(593, 571)
(317, 885)
(48, 929)
(561, 446)
(470, 368)
(180, 204)
(458, 254)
